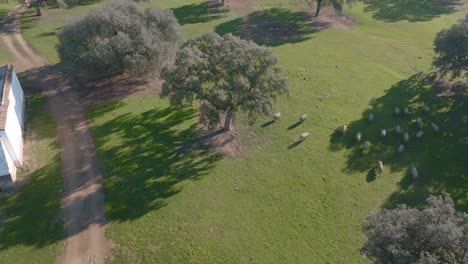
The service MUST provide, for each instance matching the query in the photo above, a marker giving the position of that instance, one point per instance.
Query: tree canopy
(117, 37)
(436, 234)
(226, 74)
(451, 47)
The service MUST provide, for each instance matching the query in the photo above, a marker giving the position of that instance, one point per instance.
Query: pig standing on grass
(358, 137)
(398, 129)
(344, 128)
(383, 133)
(419, 122)
(419, 134)
(401, 148)
(302, 118)
(366, 145)
(304, 136)
(277, 116)
(414, 172)
(406, 137)
(380, 166)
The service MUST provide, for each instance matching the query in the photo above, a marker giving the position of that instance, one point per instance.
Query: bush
(117, 37)
(437, 234)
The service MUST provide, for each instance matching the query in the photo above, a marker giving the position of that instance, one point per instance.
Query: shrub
(437, 234)
(117, 37)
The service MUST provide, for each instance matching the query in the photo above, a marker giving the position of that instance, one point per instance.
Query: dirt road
(83, 199)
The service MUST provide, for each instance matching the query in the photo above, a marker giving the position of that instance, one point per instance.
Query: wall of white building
(11, 139)
(14, 121)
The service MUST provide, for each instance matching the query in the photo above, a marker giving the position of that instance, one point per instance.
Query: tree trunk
(38, 8)
(222, 2)
(319, 5)
(227, 121)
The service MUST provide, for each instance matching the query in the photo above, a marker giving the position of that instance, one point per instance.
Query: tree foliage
(226, 74)
(451, 47)
(117, 37)
(437, 234)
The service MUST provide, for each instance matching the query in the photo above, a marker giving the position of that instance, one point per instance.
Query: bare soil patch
(445, 88)
(227, 143)
(241, 6)
(333, 19)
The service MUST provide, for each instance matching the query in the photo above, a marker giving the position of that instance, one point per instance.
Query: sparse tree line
(226, 75)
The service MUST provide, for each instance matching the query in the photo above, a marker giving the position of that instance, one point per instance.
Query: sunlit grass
(274, 204)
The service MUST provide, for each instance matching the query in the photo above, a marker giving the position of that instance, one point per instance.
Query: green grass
(41, 32)
(5, 7)
(5, 55)
(31, 229)
(278, 204)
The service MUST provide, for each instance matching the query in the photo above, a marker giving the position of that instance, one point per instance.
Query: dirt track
(83, 199)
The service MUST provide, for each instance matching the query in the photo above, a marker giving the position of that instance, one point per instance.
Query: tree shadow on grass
(143, 166)
(46, 34)
(31, 214)
(198, 13)
(410, 10)
(439, 157)
(273, 27)
(7, 25)
(28, 20)
(50, 33)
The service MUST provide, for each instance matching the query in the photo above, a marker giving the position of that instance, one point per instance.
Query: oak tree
(226, 74)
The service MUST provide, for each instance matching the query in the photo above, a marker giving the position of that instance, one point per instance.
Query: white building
(11, 125)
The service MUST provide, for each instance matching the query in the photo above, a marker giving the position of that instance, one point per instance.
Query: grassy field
(281, 203)
(30, 227)
(5, 7)
(5, 56)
